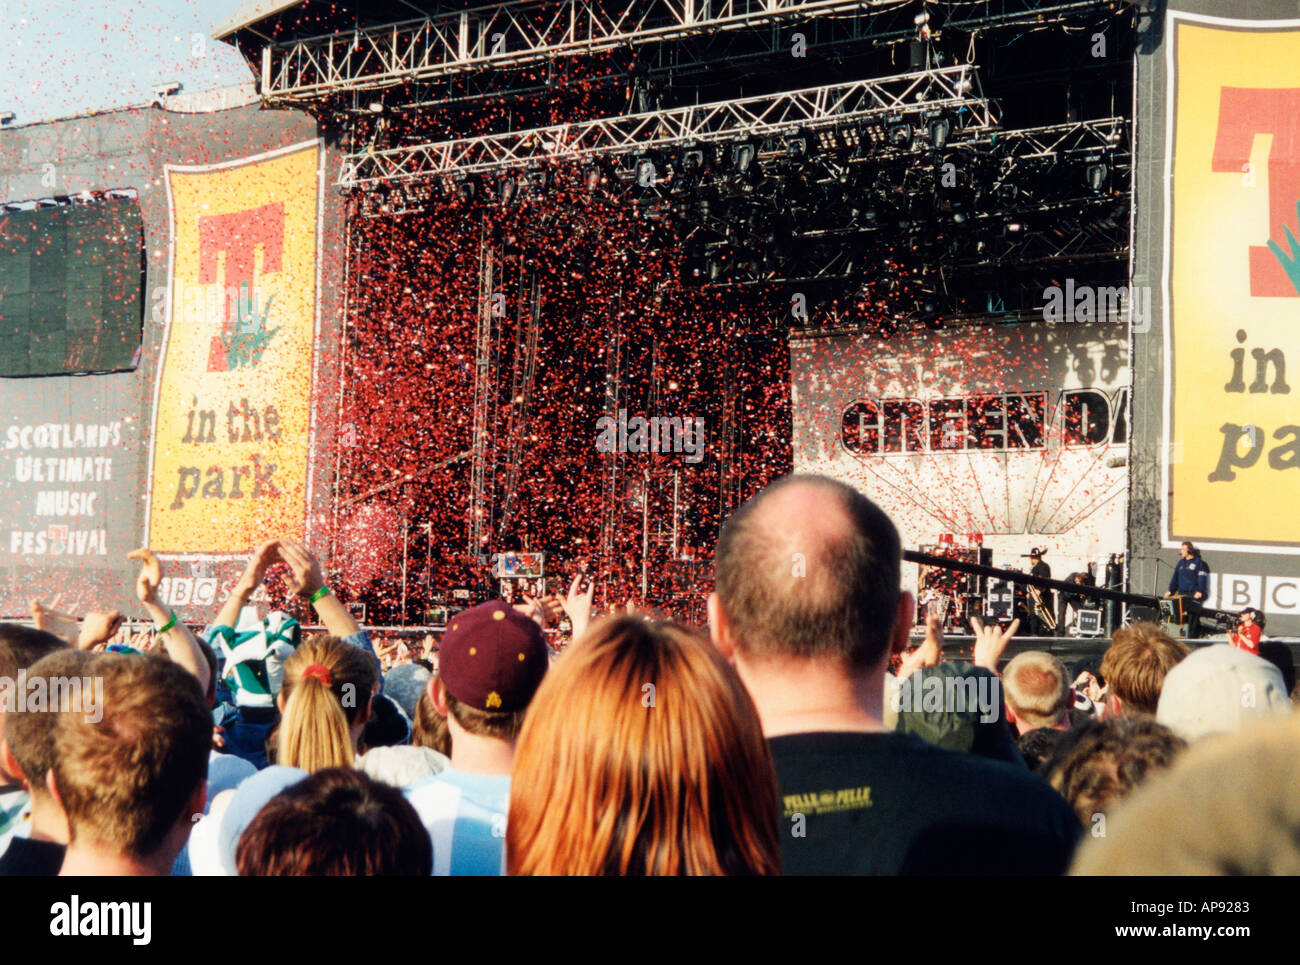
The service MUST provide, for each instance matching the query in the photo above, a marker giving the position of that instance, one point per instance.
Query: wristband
(322, 592)
(169, 624)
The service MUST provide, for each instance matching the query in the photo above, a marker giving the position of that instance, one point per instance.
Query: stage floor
(1072, 649)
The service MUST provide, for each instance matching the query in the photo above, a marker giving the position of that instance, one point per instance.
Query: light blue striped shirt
(465, 815)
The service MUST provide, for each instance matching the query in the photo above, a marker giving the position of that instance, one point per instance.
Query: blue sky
(66, 57)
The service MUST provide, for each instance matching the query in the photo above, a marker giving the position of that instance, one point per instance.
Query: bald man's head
(810, 568)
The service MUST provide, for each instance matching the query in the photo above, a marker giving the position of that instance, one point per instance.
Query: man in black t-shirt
(809, 608)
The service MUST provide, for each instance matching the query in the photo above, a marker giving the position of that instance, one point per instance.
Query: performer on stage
(1038, 605)
(1075, 602)
(1190, 582)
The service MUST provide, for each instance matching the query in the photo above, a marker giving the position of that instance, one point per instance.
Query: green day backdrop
(1217, 426)
(1015, 433)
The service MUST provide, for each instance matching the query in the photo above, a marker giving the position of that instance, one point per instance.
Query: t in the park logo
(245, 333)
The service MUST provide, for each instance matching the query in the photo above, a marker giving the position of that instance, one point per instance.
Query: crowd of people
(800, 732)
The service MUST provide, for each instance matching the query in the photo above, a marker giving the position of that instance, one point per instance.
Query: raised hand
(99, 626)
(150, 578)
(177, 640)
(990, 642)
(305, 575)
(929, 653)
(533, 609)
(254, 573)
(577, 603)
(62, 625)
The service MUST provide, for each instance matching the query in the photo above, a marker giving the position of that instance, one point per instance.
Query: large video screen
(71, 287)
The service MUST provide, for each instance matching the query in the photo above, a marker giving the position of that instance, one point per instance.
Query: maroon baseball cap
(493, 657)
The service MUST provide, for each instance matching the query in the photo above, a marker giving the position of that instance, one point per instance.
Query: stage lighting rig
(939, 127)
(647, 171)
(743, 155)
(692, 160)
(900, 135)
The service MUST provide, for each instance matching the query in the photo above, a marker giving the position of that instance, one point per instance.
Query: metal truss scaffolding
(952, 89)
(524, 373)
(512, 34)
(480, 486)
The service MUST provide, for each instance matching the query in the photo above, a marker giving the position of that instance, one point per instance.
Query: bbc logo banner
(1271, 594)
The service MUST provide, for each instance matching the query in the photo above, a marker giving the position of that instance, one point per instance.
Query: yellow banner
(1233, 462)
(232, 413)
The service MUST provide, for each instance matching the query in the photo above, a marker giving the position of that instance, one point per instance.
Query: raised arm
(990, 642)
(308, 581)
(179, 642)
(577, 604)
(252, 577)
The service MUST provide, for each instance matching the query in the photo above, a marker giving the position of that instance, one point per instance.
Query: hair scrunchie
(318, 671)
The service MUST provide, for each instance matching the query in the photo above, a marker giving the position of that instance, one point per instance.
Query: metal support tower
(484, 384)
(524, 371)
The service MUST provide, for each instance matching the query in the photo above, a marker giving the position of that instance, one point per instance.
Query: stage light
(645, 172)
(940, 127)
(742, 156)
(506, 189)
(592, 177)
(376, 107)
(1013, 227)
(466, 188)
(536, 180)
(900, 135)
(1096, 175)
(692, 160)
(958, 218)
(796, 147)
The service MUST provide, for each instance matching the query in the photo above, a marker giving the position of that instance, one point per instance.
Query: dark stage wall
(232, 203)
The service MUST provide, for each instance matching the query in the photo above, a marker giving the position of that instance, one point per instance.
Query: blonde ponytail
(325, 682)
(314, 733)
